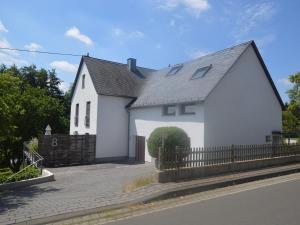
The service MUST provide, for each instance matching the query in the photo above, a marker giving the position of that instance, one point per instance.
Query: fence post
(159, 158)
(177, 157)
(232, 153)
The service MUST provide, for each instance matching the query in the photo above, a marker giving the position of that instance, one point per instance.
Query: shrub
(28, 173)
(4, 174)
(173, 136)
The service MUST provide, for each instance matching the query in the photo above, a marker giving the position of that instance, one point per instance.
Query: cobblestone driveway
(75, 188)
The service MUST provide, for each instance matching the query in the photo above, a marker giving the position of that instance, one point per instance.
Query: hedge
(173, 136)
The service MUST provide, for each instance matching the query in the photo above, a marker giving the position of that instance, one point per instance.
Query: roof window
(200, 72)
(174, 70)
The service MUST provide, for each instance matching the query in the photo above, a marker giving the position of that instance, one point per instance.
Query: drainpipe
(128, 132)
(127, 107)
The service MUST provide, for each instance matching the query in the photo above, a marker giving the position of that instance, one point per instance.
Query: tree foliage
(30, 98)
(171, 136)
(291, 117)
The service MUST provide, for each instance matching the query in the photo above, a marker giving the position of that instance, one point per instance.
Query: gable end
(267, 74)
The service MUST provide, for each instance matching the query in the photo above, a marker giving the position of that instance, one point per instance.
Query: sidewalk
(159, 191)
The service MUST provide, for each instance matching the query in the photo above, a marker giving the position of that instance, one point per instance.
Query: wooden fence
(198, 157)
(61, 149)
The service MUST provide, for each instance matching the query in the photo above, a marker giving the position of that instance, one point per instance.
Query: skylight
(174, 70)
(200, 72)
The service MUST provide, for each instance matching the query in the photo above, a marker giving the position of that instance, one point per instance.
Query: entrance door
(140, 148)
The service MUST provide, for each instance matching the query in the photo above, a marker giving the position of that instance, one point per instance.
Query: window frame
(87, 120)
(76, 117)
(165, 110)
(83, 81)
(184, 112)
(176, 68)
(205, 68)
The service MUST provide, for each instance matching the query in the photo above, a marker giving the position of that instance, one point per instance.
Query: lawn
(28, 173)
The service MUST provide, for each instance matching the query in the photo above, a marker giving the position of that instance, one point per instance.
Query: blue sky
(155, 32)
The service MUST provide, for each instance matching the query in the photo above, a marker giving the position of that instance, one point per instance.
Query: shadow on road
(11, 199)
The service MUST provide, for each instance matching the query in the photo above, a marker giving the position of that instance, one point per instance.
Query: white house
(227, 97)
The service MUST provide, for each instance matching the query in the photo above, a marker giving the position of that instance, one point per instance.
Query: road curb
(231, 179)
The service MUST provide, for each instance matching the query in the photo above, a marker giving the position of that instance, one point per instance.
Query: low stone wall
(47, 176)
(205, 171)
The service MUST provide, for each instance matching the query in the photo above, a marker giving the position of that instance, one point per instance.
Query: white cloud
(33, 46)
(121, 34)
(284, 81)
(198, 53)
(2, 27)
(74, 32)
(265, 40)
(196, 7)
(64, 66)
(9, 57)
(64, 87)
(136, 34)
(252, 16)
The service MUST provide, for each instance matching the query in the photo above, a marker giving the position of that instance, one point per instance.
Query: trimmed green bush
(173, 136)
(30, 172)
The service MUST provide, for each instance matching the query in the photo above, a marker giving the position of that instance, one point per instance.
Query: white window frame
(166, 111)
(183, 109)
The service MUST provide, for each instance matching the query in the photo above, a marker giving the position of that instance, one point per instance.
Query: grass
(30, 172)
(138, 183)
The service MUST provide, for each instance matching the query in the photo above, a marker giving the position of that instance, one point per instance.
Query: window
(200, 72)
(188, 109)
(169, 110)
(87, 114)
(83, 81)
(174, 70)
(76, 115)
(268, 139)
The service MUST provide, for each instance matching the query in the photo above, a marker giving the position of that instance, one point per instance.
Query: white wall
(112, 132)
(243, 108)
(81, 96)
(144, 120)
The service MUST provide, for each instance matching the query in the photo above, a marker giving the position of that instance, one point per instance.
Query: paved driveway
(75, 188)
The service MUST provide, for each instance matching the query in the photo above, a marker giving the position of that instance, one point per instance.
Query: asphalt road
(277, 204)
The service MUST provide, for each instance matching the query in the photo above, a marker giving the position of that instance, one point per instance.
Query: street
(269, 205)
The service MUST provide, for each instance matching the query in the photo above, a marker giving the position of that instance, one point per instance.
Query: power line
(41, 52)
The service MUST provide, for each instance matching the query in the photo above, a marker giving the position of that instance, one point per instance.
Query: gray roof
(111, 78)
(160, 89)
(153, 87)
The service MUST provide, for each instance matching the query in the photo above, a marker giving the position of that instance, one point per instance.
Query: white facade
(112, 131)
(81, 96)
(108, 118)
(243, 108)
(144, 120)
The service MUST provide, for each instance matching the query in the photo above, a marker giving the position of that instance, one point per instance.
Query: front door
(140, 148)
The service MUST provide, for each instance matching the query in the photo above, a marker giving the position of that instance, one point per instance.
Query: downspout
(127, 107)
(128, 132)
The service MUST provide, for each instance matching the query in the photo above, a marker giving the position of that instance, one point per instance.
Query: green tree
(29, 100)
(10, 110)
(291, 117)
